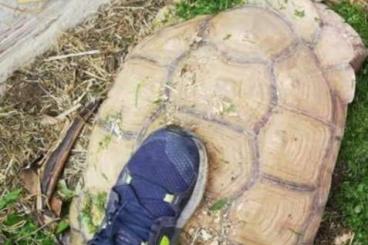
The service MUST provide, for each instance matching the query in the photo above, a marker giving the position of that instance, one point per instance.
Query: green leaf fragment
(62, 226)
(299, 13)
(9, 198)
(220, 204)
(65, 193)
(137, 90)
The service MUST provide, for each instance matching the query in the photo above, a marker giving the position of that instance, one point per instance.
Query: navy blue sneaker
(156, 192)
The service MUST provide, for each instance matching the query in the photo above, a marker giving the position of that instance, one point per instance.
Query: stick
(54, 165)
(60, 57)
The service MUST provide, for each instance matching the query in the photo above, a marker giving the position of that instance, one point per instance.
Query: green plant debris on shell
(229, 108)
(112, 123)
(105, 142)
(220, 204)
(227, 37)
(137, 90)
(93, 210)
(299, 13)
(112, 119)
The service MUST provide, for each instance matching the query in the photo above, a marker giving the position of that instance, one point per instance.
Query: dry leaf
(31, 181)
(344, 239)
(56, 204)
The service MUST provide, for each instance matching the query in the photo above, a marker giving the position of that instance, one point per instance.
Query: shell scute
(142, 83)
(167, 45)
(250, 32)
(240, 94)
(267, 215)
(300, 81)
(292, 147)
(301, 15)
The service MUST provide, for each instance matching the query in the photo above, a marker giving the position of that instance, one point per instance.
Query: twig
(352, 239)
(195, 237)
(63, 115)
(60, 57)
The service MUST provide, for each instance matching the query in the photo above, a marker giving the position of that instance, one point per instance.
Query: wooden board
(29, 27)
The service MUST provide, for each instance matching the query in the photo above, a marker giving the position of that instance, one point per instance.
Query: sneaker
(157, 191)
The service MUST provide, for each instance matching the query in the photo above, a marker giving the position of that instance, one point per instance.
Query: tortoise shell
(266, 87)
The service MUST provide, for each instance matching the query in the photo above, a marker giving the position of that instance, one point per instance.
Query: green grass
(352, 195)
(351, 198)
(18, 228)
(191, 8)
(356, 16)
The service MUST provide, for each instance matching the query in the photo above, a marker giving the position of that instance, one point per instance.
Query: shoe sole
(199, 188)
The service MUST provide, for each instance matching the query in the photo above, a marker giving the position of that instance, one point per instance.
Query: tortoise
(266, 86)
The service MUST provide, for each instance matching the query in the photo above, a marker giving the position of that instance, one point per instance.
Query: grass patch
(351, 196)
(17, 227)
(20, 229)
(191, 8)
(356, 16)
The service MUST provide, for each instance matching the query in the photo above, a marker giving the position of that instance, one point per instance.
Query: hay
(40, 99)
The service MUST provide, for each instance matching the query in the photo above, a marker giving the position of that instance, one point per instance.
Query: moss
(93, 211)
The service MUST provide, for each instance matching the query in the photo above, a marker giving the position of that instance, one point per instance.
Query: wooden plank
(28, 28)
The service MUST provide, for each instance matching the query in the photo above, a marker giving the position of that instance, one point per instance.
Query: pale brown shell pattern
(266, 87)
